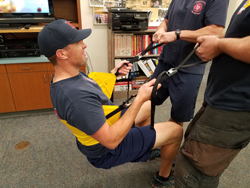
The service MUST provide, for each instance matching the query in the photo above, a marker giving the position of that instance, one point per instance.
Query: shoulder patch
(198, 6)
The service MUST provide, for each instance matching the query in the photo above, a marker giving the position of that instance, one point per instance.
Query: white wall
(233, 4)
(97, 43)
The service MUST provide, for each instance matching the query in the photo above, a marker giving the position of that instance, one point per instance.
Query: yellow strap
(87, 140)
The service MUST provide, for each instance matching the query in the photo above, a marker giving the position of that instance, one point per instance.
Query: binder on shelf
(148, 67)
(132, 72)
(151, 64)
(143, 68)
(129, 45)
(134, 44)
(136, 68)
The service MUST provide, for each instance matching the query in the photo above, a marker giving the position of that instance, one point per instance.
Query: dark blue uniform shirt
(228, 86)
(191, 15)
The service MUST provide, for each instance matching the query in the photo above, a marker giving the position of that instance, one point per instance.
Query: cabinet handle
(45, 79)
(25, 68)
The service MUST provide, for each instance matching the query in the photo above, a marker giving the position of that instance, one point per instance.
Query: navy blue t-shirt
(191, 15)
(79, 100)
(228, 86)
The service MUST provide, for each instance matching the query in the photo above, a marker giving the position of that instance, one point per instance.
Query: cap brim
(81, 34)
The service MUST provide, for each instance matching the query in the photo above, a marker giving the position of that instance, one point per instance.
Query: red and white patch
(198, 7)
(70, 24)
(90, 80)
(56, 113)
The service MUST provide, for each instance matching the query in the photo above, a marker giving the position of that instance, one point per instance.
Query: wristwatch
(178, 32)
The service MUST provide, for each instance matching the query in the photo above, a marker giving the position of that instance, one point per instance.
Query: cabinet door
(6, 99)
(30, 90)
(2, 69)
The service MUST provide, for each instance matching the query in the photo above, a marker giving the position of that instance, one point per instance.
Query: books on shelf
(147, 66)
(123, 44)
(122, 86)
(138, 82)
(133, 85)
(128, 44)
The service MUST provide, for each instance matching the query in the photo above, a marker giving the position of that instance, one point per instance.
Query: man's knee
(179, 123)
(168, 133)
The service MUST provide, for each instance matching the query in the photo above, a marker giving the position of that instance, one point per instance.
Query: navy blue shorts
(182, 88)
(135, 147)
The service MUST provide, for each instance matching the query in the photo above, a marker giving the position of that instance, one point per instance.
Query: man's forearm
(238, 48)
(191, 36)
(163, 25)
(121, 128)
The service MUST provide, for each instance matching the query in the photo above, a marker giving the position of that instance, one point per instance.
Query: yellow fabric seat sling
(106, 81)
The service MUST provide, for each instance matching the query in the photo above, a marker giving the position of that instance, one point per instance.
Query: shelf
(141, 31)
(123, 94)
(145, 56)
(23, 60)
(32, 29)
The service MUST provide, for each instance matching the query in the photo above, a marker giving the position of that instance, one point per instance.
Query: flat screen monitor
(26, 11)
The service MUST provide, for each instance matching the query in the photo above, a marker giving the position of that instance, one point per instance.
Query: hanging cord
(89, 69)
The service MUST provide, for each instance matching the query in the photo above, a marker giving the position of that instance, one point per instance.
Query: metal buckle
(139, 56)
(171, 72)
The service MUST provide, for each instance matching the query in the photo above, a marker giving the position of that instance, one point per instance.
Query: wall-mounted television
(14, 12)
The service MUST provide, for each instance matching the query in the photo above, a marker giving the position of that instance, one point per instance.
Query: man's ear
(61, 54)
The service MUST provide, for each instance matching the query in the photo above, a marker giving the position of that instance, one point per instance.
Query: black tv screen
(26, 11)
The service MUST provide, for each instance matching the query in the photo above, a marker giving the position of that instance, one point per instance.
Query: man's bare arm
(111, 136)
(238, 48)
(191, 36)
(212, 46)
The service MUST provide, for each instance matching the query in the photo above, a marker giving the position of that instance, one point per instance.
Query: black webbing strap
(139, 56)
(163, 76)
(120, 108)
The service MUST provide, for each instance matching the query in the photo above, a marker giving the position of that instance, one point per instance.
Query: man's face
(76, 53)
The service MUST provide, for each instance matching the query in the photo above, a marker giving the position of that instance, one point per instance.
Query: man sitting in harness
(78, 102)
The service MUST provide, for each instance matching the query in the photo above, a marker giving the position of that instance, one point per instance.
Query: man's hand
(209, 47)
(124, 70)
(145, 90)
(157, 35)
(168, 37)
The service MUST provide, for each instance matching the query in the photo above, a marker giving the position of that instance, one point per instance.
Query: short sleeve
(216, 12)
(170, 6)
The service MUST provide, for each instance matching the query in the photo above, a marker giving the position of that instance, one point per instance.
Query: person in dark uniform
(184, 22)
(221, 128)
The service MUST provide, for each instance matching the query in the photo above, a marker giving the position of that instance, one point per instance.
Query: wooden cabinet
(6, 99)
(30, 90)
(30, 85)
(69, 10)
(25, 86)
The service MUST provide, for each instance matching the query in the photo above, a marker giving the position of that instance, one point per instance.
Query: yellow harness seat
(106, 81)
